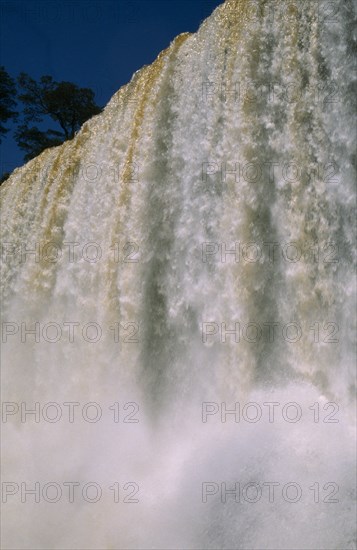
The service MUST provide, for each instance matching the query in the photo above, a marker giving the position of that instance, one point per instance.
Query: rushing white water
(265, 89)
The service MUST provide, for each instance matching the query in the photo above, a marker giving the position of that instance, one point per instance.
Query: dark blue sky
(96, 44)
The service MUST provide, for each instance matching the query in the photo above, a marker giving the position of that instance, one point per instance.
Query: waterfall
(178, 297)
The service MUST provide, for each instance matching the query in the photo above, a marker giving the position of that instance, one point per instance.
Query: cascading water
(193, 254)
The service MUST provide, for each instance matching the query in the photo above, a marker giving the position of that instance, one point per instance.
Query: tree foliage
(7, 100)
(64, 103)
(33, 141)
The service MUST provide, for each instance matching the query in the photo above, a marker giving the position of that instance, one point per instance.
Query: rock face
(188, 252)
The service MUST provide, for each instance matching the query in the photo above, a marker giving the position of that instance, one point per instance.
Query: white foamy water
(215, 192)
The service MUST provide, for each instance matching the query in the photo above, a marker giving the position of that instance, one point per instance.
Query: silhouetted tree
(7, 100)
(64, 102)
(34, 141)
(4, 177)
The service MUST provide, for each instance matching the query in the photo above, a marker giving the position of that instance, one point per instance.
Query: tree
(7, 101)
(63, 102)
(33, 141)
(4, 177)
